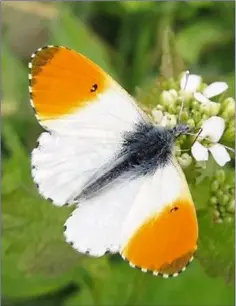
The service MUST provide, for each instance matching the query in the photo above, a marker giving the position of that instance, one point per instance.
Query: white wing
(61, 165)
(96, 225)
(160, 231)
(86, 122)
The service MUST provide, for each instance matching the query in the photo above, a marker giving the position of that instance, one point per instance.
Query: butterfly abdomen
(143, 151)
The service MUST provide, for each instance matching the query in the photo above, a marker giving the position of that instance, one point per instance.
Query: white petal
(164, 121)
(199, 152)
(158, 115)
(213, 128)
(220, 154)
(190, 82)
(215, 89)
(201, 98)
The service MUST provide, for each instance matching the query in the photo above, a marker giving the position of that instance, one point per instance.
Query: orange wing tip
(62, 82)
(157, 273)
(30, 77)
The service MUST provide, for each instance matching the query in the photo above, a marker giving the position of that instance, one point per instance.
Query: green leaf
(200, 180)
(136, 6)
(35, 257)
(123, 285)
(216, 248)
(196, 37)
(14, 90)
(68, 31)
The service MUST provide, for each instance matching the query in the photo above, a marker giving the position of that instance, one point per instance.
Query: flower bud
(204, 118)
(160, 107)
(205, 108)
(216, 214)
(178, 108)
(174, 93)
(157, 115)
(196, 116)
(172, 121)
(215, 186)
(222, 214)
(228, 219)
(225, 199)
(164, 121)
(191, 123)
(172, 109)
(183, 138)
(229, 135)
(219, 220)
(166, 98)
(185, 160)
(185, 96)
(177, 150)
(214, 109)
(196, 105)
(231, 206)
(220, 175)
(220, 196)
(222, 209)
(213, 201)
(228, 107)
(184, 116)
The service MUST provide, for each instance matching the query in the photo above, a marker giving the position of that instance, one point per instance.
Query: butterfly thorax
(148, 147)
(143, 151)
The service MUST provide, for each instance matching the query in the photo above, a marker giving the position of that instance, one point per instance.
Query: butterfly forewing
(86, 112)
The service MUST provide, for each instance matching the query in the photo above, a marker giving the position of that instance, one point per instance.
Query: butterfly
(101, 152)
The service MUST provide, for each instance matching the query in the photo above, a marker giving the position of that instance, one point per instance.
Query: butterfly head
(181, 129)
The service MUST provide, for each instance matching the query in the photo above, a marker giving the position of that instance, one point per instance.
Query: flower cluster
(212, 121)
(222, 197)
(205, 153)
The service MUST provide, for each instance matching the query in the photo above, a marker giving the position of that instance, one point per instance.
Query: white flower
(164, 119)
(212, 129)
(213, 90)
(191, 82)
(157, 115)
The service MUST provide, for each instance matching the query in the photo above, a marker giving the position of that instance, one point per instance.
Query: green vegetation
(131, 41)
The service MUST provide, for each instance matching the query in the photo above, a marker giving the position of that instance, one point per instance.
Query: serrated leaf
(66, 30)
(35, 257)
(200, 180)
(216, 248)
(123, 285)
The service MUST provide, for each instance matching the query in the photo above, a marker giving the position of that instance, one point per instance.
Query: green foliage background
(125, 38)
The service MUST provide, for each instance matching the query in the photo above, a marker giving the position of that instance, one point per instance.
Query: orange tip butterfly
(102, 153)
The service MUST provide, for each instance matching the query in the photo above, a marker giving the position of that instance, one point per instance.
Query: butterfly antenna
(182, 103)
(229, 148)
(198, 133)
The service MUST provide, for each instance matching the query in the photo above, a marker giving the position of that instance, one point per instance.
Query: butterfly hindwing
(160, 232)
(95, 226)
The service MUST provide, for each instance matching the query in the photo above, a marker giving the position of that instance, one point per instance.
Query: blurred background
(125, 39)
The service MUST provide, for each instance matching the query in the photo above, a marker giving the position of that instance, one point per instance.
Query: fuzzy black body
(144, 150)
